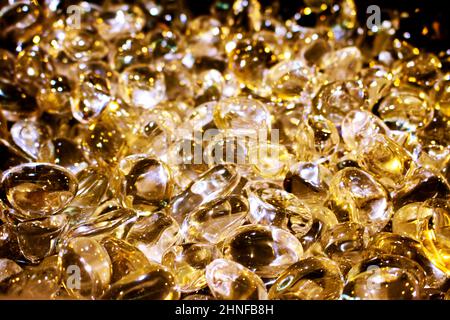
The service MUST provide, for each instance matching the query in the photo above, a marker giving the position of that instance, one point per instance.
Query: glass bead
(125, 259)
(84, 44)
(342, 64)
(39, 189)
(336, 99)
(322, 220)
(54, 98)
(165, 43)
(129, 50)
(270, 160)
(215, 220)
(153, 282)
(88, 259)
(219, 181)
(422, 71)
(406, 110)
(204, 33)
(142, 87)
(8, 269)
(356, 195)
(265, 250)
(229, 280)
(64, 152)
(30, 136)
(314, 278)
(92, 186)
(409, 219)
(190, 261)
(154, 234)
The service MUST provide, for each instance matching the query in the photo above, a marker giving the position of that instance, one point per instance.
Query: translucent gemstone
(422, 70)
(243, 16)
(15, 103)
(389, 243)
(217, 182)
(204, 34)
(30, 136)
(8, 269)
(308, 181)
(292, 80)
(242, 113)
(37, 238)
(250, 60)
(409, 220)
(154, 234)
(357, 196)
(209, 86)
(64, 152)
(336, 99)
(189, 261)
(33, 69)
(39, 189)
(129, 50)
(85, 267)
(120, 20)
(270, 160)
(125, 258)
(345, 243)
(383, 279)
(90, 97)
(92, 186)
(229, 280)
(84, 45)
(386, 160)
(434, 233)
(215, 220)
(164, 43)
(317, 137)
(264, 250)
(342, 64)
(359, 126)
(153, 282)
(314, 278)
(270, 206)
(179, 81)
(54, 97)
(104, 141)
(378, 81)
(406, 110)
(116, 222)
(322, 220)
(141, 86)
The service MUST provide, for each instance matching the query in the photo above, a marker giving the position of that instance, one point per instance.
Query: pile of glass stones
(147, 153)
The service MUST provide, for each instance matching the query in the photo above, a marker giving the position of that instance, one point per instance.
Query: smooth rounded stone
(189, 262)
(409, 220)
(204, 33)
(317, 137)
(270, 160)
(8, 269)
(241, 113)
(389, 243)
(142, 87)
(30, 136)
(116, 223)
(336, 99)
(154, 234)
(345, 243)
(276, 207)
(217, 182)
(250, 60)
(355, 195)
(386, 160)
(434, 233)
(90, 97)
(229, 280)
(406, 110)
(215, 220)
(118, 20)
(148, 183)
(55, 96)
(92, 186)
(85, 267)
(342, 64)
(41, 282)
(82, 44)
(153, 282)
(322, 220)
(125, 258)
(421, 71)
(292, 80)
(66, 153)
(378, 80)
(384, 277)
(308, 181)
(38, 238)
(314, 278)
(265, 250)
(38, 189)
(359, 126)
(15, 103)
